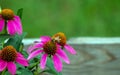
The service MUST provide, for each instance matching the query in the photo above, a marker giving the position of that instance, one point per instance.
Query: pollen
(50, 47)
(7, 14)
(60, 38)
(8, 53)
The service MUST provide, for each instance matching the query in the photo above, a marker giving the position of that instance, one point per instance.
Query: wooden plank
(83, 40)
(101, 57)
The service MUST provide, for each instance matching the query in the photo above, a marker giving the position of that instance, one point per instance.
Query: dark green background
(73, 17)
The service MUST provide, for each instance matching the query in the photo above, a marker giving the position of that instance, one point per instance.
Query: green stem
(36, 71)
(3, 72)
(1, 44)
(5, 27)
(21, 48)
(33, 65)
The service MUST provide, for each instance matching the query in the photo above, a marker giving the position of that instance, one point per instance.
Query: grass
(73, 17)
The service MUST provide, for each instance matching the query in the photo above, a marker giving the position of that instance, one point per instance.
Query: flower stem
(5, 27)
(36, 71)
(33, 65)
(21, 48)
(3, 72)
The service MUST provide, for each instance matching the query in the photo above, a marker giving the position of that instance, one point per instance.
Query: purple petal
(18, 24)
(38, 45)
(11, 67)
(3, 64)
(45, 38)
(43, 61)
(34, 47)
(19, 55)
(63, 55)
(21, 60)
(34, 54)
(57, 63)
(11, 27)
(1, 24)
(30, 49)
(70, 49)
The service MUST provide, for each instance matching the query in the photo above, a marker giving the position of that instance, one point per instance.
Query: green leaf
(25, 53)
(20, 12)
(15, 41)
(24, 71)
(51, 67)
(3, 37)
(7, 73)
(21, 70)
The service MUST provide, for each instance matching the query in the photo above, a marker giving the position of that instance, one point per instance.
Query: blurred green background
(75, 18)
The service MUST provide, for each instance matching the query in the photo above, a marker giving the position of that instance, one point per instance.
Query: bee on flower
(48, 48)
(60, 38)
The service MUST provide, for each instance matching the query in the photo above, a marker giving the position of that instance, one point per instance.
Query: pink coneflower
(8, 56)
(60, 38)
(48, 48)
(10, 21)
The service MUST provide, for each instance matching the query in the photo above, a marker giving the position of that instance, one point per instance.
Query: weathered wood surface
(100, 59)
(94, 58)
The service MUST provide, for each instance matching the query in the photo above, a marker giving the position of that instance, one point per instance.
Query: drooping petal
(19, 55)
(34, 47)
(43, 61)
(2, 23)
(21, 60)
(18, 24)
(33, 54)
(3, 64)
(63, 55)
(11, 68)
(30, 49)
(70, 49)
(57, 63)
(45, 38)
(38, 45)
(11, 27)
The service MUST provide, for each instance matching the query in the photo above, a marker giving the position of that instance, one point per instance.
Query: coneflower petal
(57, 63)
(11, 27)
(3, 64)
(21, 60)
(34, 54)
(63, 55)
(11, 67)
(1, 24)
(45, 38)
(70, 49)
(43, 61)
(18, 24)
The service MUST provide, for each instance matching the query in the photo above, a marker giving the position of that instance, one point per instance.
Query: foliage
(73, 17)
